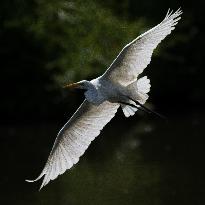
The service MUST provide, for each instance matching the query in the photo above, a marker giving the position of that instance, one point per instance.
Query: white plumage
(75, 137)
(117, 86)
(136, 55)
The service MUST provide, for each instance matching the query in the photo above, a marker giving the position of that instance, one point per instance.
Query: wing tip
(30, 181)
(42, 185)
(172, 14)
(34, 180)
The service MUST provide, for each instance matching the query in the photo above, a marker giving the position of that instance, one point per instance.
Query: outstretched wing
(75, 137)
(136, 55)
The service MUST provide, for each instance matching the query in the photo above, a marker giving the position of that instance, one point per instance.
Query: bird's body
(118, 86)
(106, 90)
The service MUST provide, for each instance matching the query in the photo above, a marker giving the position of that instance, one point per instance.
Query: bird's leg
(131, 105)
(147, 109)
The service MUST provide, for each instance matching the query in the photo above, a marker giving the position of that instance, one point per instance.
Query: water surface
(140, 160)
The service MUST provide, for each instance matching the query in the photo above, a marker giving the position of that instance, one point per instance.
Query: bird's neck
(92, 94)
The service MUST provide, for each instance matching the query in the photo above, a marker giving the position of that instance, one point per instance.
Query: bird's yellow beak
(72, 86)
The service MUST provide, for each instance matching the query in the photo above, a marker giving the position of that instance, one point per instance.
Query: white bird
(118, 86)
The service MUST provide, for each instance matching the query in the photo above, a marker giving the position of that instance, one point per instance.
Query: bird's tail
(141, 88)
(138, 90)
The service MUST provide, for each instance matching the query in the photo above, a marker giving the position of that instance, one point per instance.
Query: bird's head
(90, 93)
(83, 84)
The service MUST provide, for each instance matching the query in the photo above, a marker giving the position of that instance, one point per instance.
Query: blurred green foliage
(45, 44)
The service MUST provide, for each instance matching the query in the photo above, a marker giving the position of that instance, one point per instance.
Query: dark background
(140, 160)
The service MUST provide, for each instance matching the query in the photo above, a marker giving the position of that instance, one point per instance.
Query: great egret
(118, 86)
